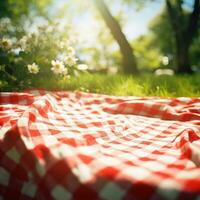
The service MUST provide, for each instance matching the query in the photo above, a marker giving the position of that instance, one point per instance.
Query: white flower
(65, 71)
(72, 38)
(71, 51)
(70, 60)
(33, 68)
(23, 42)
(82, 67)
(58, 67)
(6, 43)
(63, 44)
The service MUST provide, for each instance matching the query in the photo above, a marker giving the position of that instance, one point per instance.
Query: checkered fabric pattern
(64, 145)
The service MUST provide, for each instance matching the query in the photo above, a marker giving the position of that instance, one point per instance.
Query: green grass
(145, 85)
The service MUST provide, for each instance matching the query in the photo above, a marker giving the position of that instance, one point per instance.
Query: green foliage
(105, 54)
(44, 52)
(148, 58)
(162, 38)
(20, 49)
(16, 10)
(145, 85)
(195, 53)
(137, 4)
(162, 34)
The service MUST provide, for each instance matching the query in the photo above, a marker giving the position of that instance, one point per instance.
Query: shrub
(28, 57)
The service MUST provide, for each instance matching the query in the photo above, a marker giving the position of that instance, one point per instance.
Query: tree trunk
(183, 37)
(182, 59)
(129, 61)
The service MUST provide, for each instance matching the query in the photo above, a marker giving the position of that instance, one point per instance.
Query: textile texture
(74, 145)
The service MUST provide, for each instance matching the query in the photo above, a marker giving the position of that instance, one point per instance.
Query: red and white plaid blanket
(64, 145)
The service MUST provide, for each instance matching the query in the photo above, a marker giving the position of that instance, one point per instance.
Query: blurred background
(119, 37)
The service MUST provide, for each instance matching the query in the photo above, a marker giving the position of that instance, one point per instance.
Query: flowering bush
(29, 57)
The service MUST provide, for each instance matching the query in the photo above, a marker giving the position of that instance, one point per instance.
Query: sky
(136, 22)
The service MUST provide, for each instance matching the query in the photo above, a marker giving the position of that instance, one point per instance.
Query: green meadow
(142, 85)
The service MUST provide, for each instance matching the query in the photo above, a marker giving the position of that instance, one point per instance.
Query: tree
(161, 34)
(195, 53)
(184, 25)
(148, 56)
(129, 61)
(16, 10)
(162, 39)
(184, 35)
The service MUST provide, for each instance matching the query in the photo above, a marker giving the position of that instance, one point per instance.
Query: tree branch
(111, 23)
(130, 65)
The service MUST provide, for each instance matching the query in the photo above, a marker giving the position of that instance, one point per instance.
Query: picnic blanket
(74, 145)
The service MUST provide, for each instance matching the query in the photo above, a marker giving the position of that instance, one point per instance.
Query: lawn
(143, 85)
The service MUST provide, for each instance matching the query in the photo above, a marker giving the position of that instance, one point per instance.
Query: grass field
(145, 85)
